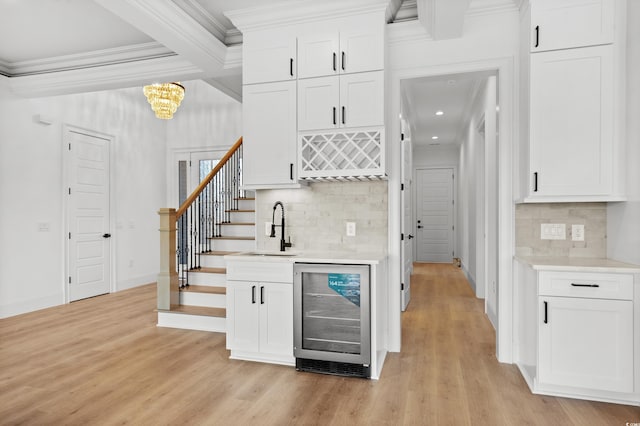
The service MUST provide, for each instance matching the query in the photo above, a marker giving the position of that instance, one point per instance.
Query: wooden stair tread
(219, 253)
(200, 310)
(245, 198)
(206, 270)
(233, 238)
(204, 289)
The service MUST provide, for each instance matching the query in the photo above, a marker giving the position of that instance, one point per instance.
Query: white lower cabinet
(260, 311)
(575, 334)
(586, 343)
(262, 320)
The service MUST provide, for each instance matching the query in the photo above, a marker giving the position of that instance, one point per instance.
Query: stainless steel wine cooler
(332, 319)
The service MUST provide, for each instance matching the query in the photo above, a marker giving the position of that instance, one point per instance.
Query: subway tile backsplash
(593, 216)
(316, 216)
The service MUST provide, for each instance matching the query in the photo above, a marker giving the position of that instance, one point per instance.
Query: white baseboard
(136, 282)
(31, 305)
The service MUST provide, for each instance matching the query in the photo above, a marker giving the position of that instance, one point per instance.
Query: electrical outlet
(351, 229)
(577, 232)
(553, 231)
(267, 229)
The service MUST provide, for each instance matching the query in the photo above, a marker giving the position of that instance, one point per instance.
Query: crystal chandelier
(164, 98)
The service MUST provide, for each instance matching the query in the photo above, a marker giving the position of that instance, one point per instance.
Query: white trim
(136, 282)
(281, 14)
(31, 305)
(103, 57)
(508, 91)
(68, 128)
(114, 76)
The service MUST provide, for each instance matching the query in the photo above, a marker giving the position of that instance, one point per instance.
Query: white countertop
(308, 257)
(578, 264)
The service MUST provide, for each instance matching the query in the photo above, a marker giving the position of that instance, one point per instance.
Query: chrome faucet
(283, 244)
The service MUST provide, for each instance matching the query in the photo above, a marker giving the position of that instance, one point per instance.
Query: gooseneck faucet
(283, 244)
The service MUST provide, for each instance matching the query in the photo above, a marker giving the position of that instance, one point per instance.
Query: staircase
(216, 220)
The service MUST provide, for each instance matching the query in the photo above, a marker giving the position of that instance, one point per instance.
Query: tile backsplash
(593, 216)
(316, 216)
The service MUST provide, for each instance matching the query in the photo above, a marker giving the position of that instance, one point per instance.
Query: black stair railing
(201, 216)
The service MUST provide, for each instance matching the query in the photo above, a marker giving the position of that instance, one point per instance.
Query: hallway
(103, 361)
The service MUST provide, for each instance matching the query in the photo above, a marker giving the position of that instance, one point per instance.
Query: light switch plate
(553, 231)
(577, 232)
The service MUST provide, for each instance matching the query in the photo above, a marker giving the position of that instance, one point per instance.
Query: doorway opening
(452, 120)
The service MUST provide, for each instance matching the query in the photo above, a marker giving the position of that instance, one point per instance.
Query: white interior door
(89, 249)
(407, 222)
(434, 215)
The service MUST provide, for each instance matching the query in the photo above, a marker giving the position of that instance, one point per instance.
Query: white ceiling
(452, 94)
(52, 47)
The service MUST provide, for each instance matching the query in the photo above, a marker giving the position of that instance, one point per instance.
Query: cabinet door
(268, 57)
(276, 318)
(242, 316)
(361, 99)
(562, 24)
(318, 55)
(361, 49)
(269, 127)
(318, 103)
(571, 134)
(586, 343)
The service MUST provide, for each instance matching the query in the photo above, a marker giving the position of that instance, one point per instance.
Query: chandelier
(164, 98)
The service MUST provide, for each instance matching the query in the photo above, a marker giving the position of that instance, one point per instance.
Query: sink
(270, 253)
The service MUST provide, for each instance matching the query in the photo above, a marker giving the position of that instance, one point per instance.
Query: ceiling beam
(443, 19)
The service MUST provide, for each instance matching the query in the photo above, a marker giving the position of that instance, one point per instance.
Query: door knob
(410, 236)
(106, 236)
(420, 226)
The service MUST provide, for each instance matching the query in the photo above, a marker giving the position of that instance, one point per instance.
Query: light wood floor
(103, 361)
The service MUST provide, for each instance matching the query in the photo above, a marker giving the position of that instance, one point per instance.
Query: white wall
(435, 156)
(32, 263)
(207, 118)
(623, 219)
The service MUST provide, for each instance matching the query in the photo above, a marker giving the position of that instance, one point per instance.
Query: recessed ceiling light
(434, 137)
(439, 112)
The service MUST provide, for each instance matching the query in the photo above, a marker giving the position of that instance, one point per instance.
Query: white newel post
(168, 287)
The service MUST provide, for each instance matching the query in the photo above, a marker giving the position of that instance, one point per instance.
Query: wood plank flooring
(103, 361)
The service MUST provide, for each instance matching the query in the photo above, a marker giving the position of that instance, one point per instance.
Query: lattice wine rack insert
(336, 155)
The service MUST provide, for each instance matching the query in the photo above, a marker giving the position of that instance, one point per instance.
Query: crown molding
(194, 9)
(280, 14)
(95, 58)
(107, 77)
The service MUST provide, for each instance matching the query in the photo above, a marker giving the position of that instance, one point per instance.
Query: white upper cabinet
(563, 24)
(356, 46)
(353, 100)
(269, 123)
(269, 56)
(572, 117)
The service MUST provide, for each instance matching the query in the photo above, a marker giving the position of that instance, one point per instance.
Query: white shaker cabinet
(351, 100)
(571, 101)
(260, 311)
(572, 119)
(574, 333)
(262, 319)
(563, 24)
(586, 343)
(269, 56)
(269, 114)
(356, 47)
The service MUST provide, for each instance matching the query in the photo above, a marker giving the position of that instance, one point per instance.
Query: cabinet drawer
(279, 272)
(587, 285)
